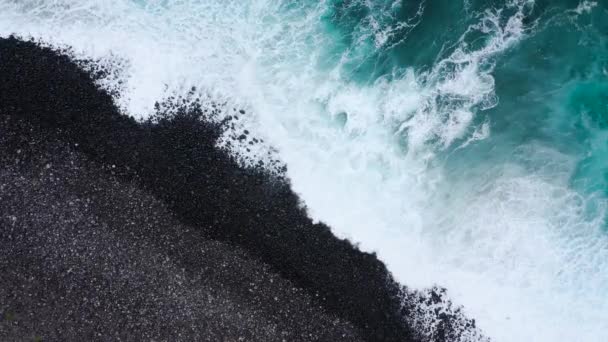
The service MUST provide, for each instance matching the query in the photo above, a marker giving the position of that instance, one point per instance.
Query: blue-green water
(552, 85)
(463, 141)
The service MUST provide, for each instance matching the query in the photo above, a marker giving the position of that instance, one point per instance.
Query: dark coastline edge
(175, 159)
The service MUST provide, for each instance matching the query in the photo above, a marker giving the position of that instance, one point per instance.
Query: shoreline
(174, 159)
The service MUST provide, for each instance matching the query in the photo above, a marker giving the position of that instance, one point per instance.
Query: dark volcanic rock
(85, 257)
(137, 219)
(176, 160)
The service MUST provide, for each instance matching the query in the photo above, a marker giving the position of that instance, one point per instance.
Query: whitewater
(462, 141)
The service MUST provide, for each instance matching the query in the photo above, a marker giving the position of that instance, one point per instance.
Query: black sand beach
(114, 229)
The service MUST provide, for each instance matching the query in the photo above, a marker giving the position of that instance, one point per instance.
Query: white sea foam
(513, 244)
(585, 7)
